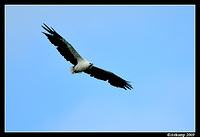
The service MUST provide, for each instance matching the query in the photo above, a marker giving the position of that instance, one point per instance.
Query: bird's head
(91, 64)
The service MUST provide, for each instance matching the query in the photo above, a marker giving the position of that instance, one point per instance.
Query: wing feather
(113, 79)
(71, 55)
(63, 46)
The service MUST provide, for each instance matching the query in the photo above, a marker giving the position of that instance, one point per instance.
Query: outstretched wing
(113, 79)
(63, 46)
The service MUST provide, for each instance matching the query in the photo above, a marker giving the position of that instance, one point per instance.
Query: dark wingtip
(50, 30)
(128, 86)
(47, 28)
(46, 34)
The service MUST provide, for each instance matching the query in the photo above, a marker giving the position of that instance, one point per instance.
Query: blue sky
(151, 46)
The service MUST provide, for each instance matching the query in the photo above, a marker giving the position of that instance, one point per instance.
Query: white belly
(81, 66)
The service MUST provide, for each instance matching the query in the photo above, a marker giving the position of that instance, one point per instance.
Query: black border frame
(138, 2)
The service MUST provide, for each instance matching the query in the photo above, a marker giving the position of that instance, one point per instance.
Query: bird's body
(80, 64)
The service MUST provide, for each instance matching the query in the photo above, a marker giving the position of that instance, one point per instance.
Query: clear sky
(151, 46)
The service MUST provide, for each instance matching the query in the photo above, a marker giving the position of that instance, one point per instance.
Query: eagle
(80, 64)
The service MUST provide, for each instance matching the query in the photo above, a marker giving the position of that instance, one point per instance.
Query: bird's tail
(72, 70)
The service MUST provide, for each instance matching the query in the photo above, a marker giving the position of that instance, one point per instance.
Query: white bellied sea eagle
(80, 64)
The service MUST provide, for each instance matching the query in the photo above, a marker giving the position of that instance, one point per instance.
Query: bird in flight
(80, 64)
